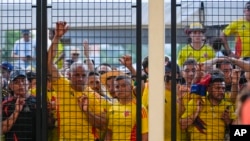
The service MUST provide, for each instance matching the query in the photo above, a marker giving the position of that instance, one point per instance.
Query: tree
(10, 37)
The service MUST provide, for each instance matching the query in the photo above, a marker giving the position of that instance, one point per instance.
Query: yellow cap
(196, 26)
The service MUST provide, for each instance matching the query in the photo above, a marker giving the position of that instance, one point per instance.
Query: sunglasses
(75, 54)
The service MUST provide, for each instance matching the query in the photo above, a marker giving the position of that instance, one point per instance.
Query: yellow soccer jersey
(145, 96)
(167, 115)
(180, 135)
(241, 30)
(205, 53)
(72, 122)
(122, 121)
(210, 126)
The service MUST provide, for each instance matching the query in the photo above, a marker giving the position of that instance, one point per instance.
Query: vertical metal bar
(43, 72)
(41, 65)
(38, 71)
(138, 68)
(173, 60)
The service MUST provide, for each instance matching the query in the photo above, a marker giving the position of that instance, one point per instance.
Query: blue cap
(25, 31)
(17, 73)
(7, 66)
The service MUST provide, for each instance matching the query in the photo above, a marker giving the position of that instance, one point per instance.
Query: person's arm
(126, 60)
(61, 29)
(186, 121)
(15, 54)
(226, 46)
(89, 62)
(108, 136)
(235, 84)
(8, 123)
(98, 121)
(60, 57)
(244, 65)
(180, 89)
(145, 137)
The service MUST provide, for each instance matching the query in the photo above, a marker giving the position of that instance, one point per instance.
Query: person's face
(196, 36)
(5, 74)
(19, 86)
(94, 83)
(75, 56)
(227, 70)
(33, 83)
(26, 37)
(110, 86)
(78, 77)
(66, 65)
(123, 89)
(217, 91)
(51, 34)
(188, 73)
(247, 13)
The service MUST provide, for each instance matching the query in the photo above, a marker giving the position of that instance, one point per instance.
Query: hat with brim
(25, 31)
(16, 73)
(196, 26)
(110, 74)
(7, 66)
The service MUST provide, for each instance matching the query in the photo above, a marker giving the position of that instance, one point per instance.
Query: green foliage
(10, 37)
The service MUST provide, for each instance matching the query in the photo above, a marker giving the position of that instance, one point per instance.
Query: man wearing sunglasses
(240, 29)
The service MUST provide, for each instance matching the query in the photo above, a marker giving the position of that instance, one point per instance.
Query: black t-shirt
(25, 125)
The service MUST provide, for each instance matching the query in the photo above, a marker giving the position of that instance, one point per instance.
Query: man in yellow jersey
(196, 49)
(207, 118)
(73, 124)
(240, 29)
(122, 115)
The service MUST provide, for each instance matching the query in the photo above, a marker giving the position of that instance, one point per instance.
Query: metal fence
(109, 40)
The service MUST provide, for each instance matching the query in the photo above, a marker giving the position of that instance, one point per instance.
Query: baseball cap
(25, 31)
(7, 66)
(196, 26)
(16, 73)
(110, 74)
(217, 77)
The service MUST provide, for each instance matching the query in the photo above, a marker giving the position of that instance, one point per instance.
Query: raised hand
(86, 48)
(83, 103)
(235, 76)
(126, 60)
(19, 104)
(61, 28)
(226, 116)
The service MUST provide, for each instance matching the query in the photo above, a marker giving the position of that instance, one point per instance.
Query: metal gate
(103, 34)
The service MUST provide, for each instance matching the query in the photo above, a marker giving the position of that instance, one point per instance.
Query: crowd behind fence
(91, 72)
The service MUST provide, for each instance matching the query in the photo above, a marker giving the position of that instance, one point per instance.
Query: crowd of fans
(91, 103)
